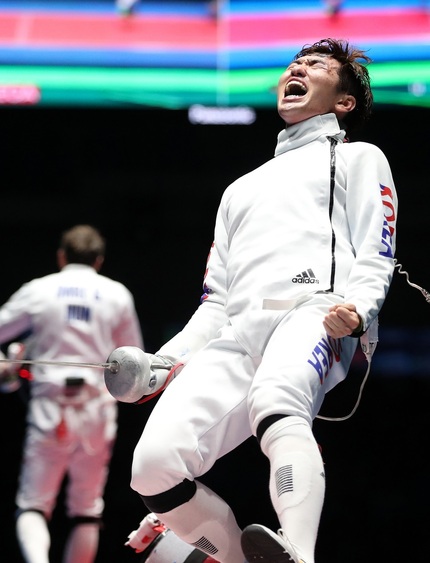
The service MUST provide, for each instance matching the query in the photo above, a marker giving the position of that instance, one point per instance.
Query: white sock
(82, 543)
(33, 537)
(297, 481)
(208, 523)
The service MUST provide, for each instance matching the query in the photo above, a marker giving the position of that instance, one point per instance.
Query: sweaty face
(309, 87)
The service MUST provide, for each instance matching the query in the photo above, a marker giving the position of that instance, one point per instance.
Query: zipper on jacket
(333, 144)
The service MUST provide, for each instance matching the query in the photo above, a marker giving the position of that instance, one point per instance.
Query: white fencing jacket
(318, 217)
(75, 315)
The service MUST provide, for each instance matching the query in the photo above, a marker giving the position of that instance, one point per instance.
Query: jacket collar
(307, 131)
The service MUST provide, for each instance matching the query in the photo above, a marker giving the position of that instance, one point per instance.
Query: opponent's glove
(135, 376)
(149, 528)
(9, 372)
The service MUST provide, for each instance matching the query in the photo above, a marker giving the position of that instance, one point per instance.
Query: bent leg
(299, 366)
(201, 416)
(297, 481)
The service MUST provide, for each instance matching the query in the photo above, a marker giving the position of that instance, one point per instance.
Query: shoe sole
(258, 545)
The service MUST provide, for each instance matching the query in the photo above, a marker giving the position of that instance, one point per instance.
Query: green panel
(405, 83)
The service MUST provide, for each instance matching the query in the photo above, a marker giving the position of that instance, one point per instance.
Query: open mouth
(295, 89)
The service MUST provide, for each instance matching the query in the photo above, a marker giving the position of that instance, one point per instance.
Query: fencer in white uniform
(74, 315)
(301, 263)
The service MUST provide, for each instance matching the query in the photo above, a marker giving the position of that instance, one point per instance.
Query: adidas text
(306, 277)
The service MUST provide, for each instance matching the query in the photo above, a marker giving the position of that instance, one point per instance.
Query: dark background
(151, 182)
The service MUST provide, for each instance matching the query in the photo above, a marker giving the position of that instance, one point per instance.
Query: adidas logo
(307, 276)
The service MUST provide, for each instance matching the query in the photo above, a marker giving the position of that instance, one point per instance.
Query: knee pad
(168, 500)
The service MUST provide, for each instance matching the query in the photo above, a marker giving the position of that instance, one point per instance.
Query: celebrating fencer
(300, 266)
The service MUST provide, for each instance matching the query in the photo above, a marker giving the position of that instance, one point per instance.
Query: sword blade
(106, 365)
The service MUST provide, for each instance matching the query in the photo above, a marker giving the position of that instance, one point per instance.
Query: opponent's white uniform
(310, 228)
(74, 315)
